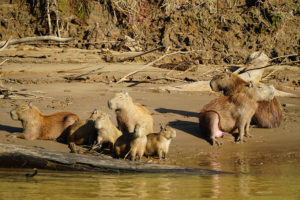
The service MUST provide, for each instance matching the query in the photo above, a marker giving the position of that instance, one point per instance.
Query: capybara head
(24, 112)
(220, 82)
(102, 120)
(95, 114)
(261, 92)
(120, 100)
(167, 132)
(139, 130)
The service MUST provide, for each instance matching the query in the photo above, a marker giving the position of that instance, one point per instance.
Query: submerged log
(16, 156)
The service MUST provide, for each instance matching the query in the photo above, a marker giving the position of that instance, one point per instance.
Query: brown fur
(122, 145)
(234, 111)
(106, 130)
(158, 144)
(39, 126)
(129, 114)
(268, 114)
(138, 143)
(83, 131)
(131, 144)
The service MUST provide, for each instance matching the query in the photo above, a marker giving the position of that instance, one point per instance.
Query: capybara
(130, 114)
(158, 144)
(138, 143)
(227, 113)
(268, 114)
(106, 130)
(82, 132)
(39, 126)
(122, 145)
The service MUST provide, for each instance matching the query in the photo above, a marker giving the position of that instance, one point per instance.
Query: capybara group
(227, 113)
(268, 114)
(39, 126)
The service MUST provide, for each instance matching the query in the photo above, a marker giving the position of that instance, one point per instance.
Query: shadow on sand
(10, 129)
(180, 112)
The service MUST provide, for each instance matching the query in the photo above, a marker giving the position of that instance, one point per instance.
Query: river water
(277, 182)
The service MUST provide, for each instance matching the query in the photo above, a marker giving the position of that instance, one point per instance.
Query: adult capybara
(158, 143)
(129, 114)
(39, 126)
(106, 130)
(268, 114)
(227, 113)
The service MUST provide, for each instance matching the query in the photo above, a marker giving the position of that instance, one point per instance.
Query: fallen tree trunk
(17, 156)
(33, 39)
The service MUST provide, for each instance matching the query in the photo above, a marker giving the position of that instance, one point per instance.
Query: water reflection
(83, 185)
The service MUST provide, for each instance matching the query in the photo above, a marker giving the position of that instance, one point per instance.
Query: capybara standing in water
(82, 132)
(130, 114)
(39, 126)
(158, 144)
(227, 113)
(268, 114)
(106, 131)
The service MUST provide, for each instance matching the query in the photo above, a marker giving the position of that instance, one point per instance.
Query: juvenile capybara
(138, 143)
(129, 114)
(82, 132)
(39, 126)
(122, 145)
(268, 114)
(106, 130)
(158, 143)
(227, 113)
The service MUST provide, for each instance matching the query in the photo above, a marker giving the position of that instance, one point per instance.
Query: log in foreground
(17, 156)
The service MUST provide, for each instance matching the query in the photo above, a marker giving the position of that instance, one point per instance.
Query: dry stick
(285, 56)
(49, 19)
(141, 54)
(151, 63)
(37, 38)
(5, 45)
(3, 61)
(87, 73)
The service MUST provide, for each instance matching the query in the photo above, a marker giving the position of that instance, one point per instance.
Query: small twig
(285, 56)
(6, 44)
(3, 61)
(141, 54)
(84, 74)
(272, 72)
(151, 63)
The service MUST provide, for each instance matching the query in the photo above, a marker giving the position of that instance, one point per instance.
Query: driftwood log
(33, 39)
(16, 156)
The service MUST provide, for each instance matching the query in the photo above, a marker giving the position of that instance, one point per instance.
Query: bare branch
(37, 38)
(151, 63)
(5, 45)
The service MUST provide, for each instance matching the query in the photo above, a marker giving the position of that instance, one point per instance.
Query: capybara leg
(214, 128)
(160, 154)
(133, 154)
(69, 120)
(247, 133)
(241, 133)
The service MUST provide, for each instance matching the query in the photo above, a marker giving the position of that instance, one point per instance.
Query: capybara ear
(30, 104)
(161, 126)
(126, 93)
(95, 111)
